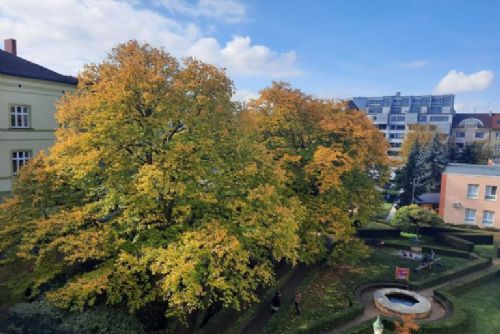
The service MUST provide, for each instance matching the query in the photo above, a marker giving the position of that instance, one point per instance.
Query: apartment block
(394, 115)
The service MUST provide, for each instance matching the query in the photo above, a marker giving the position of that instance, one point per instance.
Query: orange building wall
(454, 190)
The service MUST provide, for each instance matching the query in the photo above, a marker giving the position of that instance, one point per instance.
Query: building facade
(394, 115)
(469, 195)
(485, 128)
(28, 95)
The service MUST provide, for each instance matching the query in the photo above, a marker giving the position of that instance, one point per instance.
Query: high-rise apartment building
(394, 115)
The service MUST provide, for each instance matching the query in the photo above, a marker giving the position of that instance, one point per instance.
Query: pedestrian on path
(276, 302)
(298, 300)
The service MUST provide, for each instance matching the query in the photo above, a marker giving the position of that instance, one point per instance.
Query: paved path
(391, 214)
(371, 311)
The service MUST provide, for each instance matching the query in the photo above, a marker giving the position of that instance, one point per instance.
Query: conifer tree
(410, 173)
(434, 161)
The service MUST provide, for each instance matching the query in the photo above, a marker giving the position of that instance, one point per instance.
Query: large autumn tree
(334, 159)
(154, 193)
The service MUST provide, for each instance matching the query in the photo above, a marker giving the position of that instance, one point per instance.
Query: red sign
(403, 273)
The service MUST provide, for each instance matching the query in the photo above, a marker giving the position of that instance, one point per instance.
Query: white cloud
(414, 64)
(64, 35)
(244, 95)
(229, 11)
(240, 56)
(459, 82)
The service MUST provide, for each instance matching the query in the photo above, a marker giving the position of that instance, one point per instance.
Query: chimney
(10, 46)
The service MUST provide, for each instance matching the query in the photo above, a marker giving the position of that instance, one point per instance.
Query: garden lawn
(327, 291)
(484, 302)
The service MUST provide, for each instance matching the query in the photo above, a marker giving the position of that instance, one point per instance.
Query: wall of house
(41, 97)
(454, 191)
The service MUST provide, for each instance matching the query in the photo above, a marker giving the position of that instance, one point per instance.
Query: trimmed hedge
(438, 250)
(472, 280)
(476, 238)
(457, 272)
(378, 233)
(458, 322)
(456, 242)
(330, 322)
(433, 230)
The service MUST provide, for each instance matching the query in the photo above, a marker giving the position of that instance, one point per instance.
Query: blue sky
(327, 48)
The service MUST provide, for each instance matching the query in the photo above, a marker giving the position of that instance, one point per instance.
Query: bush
(412, 217)
(456, 242)
(378, 233)
(41, 317)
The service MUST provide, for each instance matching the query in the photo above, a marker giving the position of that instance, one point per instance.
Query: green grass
(485, 250)
(484, 302)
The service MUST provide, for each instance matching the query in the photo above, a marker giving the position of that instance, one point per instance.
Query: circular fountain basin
(402, 302)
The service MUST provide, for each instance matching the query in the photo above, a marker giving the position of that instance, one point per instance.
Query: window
(460, 134)
(396, 109)
(397, 118)
(19, 117)
(438, 118)
(473, 191)
(470, 216)
(435, 110)
(397, 136)
(382, 126)
(375, 110)
(498, 134)
(397, 127)
(497, 147)
(19, 159)
(488, 217)
(374, 118)
(480, 134)
(422, 118)
(491, 193)
(395, 144)
(415, 109)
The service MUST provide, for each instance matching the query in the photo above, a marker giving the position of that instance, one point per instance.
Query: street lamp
(378, 326)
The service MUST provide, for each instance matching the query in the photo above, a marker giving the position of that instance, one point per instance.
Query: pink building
(469, 195)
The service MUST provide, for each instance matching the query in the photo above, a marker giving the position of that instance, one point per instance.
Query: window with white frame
(19, 117)
(498, 134)
(480, 134)
(473, 191)
(19, 159)
(497, 147)
(470, 216)
(491, 193)
(488, 217)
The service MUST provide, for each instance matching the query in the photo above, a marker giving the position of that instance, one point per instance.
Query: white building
(28, 95)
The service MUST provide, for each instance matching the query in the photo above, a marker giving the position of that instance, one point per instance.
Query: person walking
(276, 302)
(297, 301)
